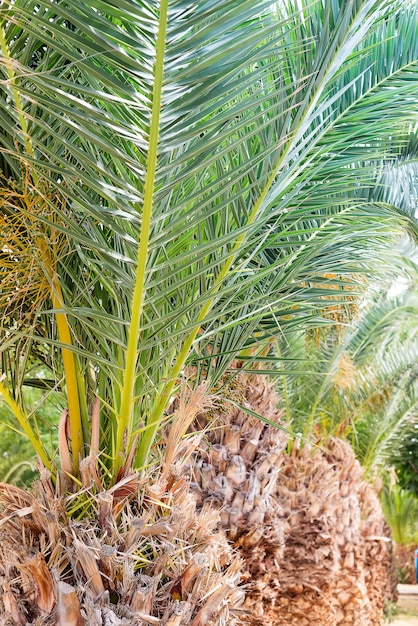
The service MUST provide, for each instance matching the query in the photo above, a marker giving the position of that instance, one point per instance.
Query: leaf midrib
(124, 419)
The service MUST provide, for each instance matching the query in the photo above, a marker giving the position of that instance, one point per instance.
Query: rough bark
(337, 553)
(310, 529)
(315, 549)
(236, 471)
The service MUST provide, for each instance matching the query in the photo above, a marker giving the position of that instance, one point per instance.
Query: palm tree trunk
(238, 468)
(310, 529)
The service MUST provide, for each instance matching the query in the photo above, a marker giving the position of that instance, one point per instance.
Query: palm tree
(303, 512)
(178, 179)
(320, 526)
(401, 510)
(363, 387)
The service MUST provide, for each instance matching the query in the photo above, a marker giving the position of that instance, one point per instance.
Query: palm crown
(184, 176)
(358, 380)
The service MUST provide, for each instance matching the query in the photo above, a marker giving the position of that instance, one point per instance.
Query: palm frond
(212, 168)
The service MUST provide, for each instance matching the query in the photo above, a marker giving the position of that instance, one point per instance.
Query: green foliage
(390, 611)
(189, 182)
(405, 460)
(405, 572)
(359, 378)
(401, 511)
(17, 459)
(18, 462)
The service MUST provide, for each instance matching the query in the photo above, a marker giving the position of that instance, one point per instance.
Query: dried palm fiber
(334, 568)
(298, 519)
(379, 560)
(236, 470)
(145, 556)
(393, 592)
(314, 519)
(374, 555)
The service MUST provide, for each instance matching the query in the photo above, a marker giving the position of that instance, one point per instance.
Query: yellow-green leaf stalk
(68, 357)
(57, 300)
(125, 417)
(26, 427)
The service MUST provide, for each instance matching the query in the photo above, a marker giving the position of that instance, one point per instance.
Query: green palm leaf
(360, 384)
(211, 166)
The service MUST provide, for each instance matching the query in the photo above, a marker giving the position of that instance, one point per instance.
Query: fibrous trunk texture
(380, 572)
(146, 557)
(310, 529)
